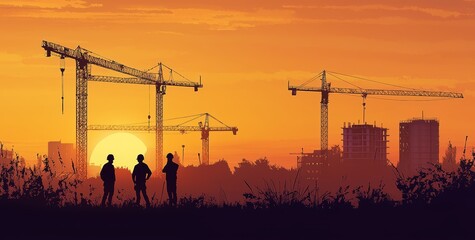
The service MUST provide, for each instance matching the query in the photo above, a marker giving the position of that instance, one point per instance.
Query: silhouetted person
(108, 176)
(170, 169)
(140, 175)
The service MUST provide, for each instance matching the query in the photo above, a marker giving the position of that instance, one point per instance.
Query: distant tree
(448, 161)
(335, 155)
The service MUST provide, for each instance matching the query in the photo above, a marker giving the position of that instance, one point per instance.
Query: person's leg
(145, 196)
(103, 202)
(170, 193)
(170, 197)
(111, 193)
(137, 193)
(175, 197)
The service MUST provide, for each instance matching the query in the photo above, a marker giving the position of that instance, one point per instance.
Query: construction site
(84, 59)
(365, 144)
(362, 143)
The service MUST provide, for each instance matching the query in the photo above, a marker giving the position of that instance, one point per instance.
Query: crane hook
(62, 67)
(364, 95)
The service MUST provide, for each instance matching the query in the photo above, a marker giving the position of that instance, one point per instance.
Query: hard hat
(110, 157)
(140, 157)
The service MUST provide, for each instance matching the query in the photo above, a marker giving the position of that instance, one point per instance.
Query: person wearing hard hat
(140, 175)
(108, 177)
(170, 170)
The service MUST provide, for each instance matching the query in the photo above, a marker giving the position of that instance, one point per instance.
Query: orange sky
(246, 52)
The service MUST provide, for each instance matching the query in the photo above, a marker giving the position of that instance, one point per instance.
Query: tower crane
(202, 127)
(84, 59)
(326, 89)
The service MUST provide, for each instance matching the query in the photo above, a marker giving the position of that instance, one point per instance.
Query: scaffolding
(364, 143)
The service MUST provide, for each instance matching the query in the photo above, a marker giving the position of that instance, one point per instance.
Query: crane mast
(324, 114)
(84, 59)
(326, 89)
(205, 139)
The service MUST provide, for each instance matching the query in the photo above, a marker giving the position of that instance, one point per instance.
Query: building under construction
(364, 143)
(312, 164)
(418, 144)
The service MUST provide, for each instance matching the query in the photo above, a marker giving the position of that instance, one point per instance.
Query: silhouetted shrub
(435, 186)
(373, 197)
(272, 197)
(38, 186)
(193, 202)
(339, 201)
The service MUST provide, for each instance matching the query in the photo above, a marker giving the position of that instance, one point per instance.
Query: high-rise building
(364, 143)
(61, 157)
(418, 144)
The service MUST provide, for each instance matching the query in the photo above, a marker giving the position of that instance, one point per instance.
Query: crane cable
(148, 107)
(173, 71)
(311, 79)
(352, 84)
(374, 81)
(62, 67)
(194, 115)
(218, 120)
(189, 120)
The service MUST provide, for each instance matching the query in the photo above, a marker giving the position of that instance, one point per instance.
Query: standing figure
(108, 177)
(170, 169)
(140, 175)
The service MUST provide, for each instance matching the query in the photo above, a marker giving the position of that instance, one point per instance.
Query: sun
(124, 146)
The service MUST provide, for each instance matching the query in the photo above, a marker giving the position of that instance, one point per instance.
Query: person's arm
(149, 173)
(164, 169)
(102, 174)
(133, 175)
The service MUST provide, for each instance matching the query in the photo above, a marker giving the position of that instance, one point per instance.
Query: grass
(435, 204)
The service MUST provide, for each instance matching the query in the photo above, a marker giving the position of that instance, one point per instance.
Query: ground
(25, 221)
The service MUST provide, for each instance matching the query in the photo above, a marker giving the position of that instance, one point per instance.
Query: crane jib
(409, 93)
(80, 54)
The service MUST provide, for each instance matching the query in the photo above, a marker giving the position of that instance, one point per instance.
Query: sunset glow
(249, 119)
(246, 52)
(124, 146)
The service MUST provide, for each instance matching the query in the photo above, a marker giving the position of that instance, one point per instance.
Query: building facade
(364, 143)
(418, 144)
(313, 164)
